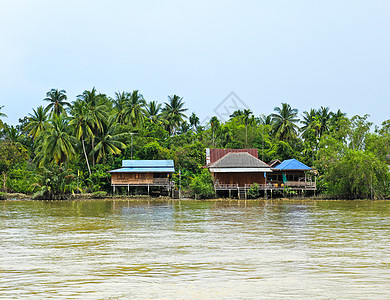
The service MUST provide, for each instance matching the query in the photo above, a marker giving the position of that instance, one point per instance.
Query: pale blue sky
(306, 53)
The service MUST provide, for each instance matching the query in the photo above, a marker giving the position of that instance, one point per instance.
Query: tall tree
(109, 140)
(194, 120)
(97, 111)
(214, 123)
(174, 112)
(57, 99)
(82, 122)
(284, 122)
(56, 143)
(246, 117)
(2, 115)
(152, 111)
(134, 108)
(37, 122)
(120, 106)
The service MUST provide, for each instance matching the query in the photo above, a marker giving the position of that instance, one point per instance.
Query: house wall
(131, 178)
(239, 178)
(276, 176)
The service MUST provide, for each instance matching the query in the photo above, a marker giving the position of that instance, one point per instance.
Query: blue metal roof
(292, 164)
(145, 166)
(144, 170)
(147, 163)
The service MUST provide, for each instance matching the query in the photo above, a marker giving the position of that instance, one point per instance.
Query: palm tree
(194, 120)
(97, 111)
(247, 119)
(57, 144)
(152, 111)
(1, 116)
(82, 122)
(266, 119)
(37, 122)
(214, 122)
(284, 120)
(308, 120)
(57, 99)
(134, 108)
(12, 134)
(324, 116)
(108, 141)
(173, 112)
(335, 120)
(119, 106)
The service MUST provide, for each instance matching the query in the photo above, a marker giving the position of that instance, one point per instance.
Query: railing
(269, 185)
(149, 181)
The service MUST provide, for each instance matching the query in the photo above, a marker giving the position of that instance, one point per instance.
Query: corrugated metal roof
(144, 170)
(238, 160)
(147, 163)
(216, 154)
(292, 164)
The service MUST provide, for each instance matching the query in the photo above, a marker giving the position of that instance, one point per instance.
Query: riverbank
(105, 196)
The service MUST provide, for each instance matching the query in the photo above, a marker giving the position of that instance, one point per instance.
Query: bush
(3, 196)
(254, 191)
(202, 185)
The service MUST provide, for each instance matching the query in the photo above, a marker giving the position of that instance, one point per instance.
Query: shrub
(254, 191)
(202, 185)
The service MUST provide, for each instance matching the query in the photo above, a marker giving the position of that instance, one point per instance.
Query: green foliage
(355, 173)
(91, 136)
(202, 185)
(55, 183)
(3, 196)
(254, 191)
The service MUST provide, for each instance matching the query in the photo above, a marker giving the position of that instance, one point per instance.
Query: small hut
(292, 173)
(145, 173)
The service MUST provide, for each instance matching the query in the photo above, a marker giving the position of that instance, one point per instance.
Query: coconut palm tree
(1, 116)
(57, 99)
(152, 111)
(82, 122)
(108, 140)
(37, 122)
(134, 108)
(308, 119)
(56, 143)
(284, 122)
(324, 118)
(173, 112)
(120, 106)
(97, 111)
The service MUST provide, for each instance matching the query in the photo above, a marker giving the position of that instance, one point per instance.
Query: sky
(218, 55)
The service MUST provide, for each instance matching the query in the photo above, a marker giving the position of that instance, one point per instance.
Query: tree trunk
(86, 157)
(4, 181)
(93, 155)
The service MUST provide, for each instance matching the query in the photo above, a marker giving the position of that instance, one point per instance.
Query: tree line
(63, 147)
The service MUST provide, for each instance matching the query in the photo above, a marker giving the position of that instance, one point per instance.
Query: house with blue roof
(292, 173)
(144, 173)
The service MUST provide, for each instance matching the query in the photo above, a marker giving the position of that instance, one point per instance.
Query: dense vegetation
(65, 146)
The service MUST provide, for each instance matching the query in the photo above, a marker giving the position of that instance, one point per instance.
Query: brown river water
(194, 249)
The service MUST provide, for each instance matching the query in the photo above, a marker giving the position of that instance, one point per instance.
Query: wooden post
(128, 189)
(113, 189)
(148, 190)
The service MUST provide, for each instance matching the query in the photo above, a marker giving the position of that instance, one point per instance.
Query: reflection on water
(193, 249)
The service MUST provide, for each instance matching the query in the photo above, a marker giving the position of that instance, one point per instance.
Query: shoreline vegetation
(141, 198)
(66, 146)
